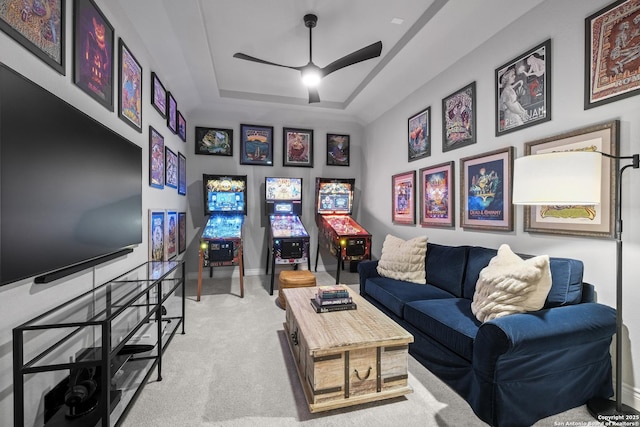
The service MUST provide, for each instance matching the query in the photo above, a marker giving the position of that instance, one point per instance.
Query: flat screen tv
(224, 194)
(70, 188)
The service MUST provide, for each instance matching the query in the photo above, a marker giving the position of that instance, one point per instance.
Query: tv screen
(70, 188)
(224, 193)
(289, 189)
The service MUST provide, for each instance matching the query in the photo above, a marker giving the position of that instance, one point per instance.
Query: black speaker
(79, 397)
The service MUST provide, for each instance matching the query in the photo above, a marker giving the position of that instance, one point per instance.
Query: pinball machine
(225, 205)
(288, 238)
(337, 230)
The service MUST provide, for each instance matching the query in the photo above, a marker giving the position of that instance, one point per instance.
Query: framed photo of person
(42, 34)
(437, 198)
(338, 149)
(611, 53)
(256, 145)
(297, 147)
(158, 95)
(170, 168)
(485, 193)
(579, 220)
(459, 118)
(523, 90)
(130, 88)
(93, 52)
(419, 131)
(403, 190)
(156, 158)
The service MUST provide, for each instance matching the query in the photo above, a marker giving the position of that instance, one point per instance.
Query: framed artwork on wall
(171, 235)
(182, 127)
(403, 191)
(172, 113)
(485, 194)
(590, 220)
(158, 95)
(297, 147)
(419, 131)
(130, 88)
(612, 63)
(156, 158)
(256, 145)
(182, 232)
(156, 235)
(170, 168)
(214, 141)
(42, 34)
(437, 198)
(459, 118)
(182, 174)
(93, 52)
(338, 149)
(523, 90)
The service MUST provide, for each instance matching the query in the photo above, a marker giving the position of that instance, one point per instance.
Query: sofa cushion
(394, 294)
(511, 285)
(449, 321)
(445, 267)
(479, 258)
(403, 260)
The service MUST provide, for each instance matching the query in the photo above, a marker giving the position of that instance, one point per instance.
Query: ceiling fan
(311, 73)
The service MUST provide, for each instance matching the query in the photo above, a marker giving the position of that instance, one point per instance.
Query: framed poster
(130, 88)
(93, 52)
(338, 149)
(172, 113)
(170, 168)
(459, 118)
(297, 147)
(437, 199)
(40, 31)
(403, 190)
(182, 232)
(590, 220)
(612, 62)
(158, 95)
(256, 145)
(156, 158)
(171, 235)
(523, 90)
(214, 141)
(156, 235)
(182, 127)
(182, 174)
(419, 131)
(485, 193)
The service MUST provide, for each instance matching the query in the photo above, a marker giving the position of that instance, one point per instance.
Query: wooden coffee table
(348, 357)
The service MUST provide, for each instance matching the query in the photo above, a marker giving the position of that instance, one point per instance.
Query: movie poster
(156, 236)
(485, 191)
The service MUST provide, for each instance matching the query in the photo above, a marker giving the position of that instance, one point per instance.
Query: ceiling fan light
(311, 77)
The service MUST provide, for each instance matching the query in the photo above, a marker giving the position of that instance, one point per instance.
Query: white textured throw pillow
(403, 260)
(511, 285)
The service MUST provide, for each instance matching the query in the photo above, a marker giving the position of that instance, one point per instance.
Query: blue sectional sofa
(512, 370)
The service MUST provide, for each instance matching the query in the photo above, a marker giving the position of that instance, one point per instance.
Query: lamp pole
(602, 409)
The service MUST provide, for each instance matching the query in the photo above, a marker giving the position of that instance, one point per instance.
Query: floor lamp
(574, 178)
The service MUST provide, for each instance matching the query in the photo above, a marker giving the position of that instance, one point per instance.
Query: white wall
(563, 22)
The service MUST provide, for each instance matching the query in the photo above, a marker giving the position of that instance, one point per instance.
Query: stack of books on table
(332, 298)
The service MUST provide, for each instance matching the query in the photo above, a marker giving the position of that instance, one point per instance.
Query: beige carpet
(233, 368)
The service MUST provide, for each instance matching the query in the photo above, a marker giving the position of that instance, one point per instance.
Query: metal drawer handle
(365, 377)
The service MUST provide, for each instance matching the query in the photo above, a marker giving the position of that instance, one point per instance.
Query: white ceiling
(192, 43)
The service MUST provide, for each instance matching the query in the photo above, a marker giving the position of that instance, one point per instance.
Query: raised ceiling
(192, 43)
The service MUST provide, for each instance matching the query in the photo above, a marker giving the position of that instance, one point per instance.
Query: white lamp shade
(558, 178)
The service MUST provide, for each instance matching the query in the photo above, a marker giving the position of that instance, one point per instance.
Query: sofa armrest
(553, 330)
(367, 269)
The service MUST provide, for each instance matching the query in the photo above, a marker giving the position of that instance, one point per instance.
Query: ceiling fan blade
(313, 95)
(262, 61)
(369, 52)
